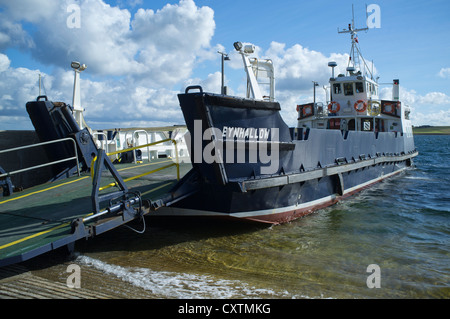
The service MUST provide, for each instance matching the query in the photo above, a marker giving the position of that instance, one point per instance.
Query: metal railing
(136, 133)
(177, 164)
(46, 164)
(105, 139)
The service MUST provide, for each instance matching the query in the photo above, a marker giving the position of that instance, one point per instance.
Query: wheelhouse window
(348, 88)
(373, 89)
(337, 88)
(334, 124)
(359, 87)
(351, 125)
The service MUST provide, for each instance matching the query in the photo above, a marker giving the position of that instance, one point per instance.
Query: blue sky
(140, 54)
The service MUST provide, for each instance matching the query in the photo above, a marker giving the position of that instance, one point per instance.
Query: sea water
(389, 241)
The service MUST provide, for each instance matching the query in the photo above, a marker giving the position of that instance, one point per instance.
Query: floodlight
(249, 48)
(75, 65)
(78, 66)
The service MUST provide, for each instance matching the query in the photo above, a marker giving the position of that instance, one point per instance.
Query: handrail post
(176, 155)
(148, 149)
(76, 156)
(104, 140)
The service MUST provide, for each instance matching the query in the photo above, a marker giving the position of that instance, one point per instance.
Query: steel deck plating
(45, 217)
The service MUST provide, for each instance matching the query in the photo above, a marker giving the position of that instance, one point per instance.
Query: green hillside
(431, 130)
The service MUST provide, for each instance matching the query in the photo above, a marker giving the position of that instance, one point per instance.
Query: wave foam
(181, 285)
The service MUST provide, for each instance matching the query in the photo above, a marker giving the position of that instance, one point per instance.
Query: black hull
(281, 203)
(313, 169)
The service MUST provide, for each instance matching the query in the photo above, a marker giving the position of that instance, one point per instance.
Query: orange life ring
(392, 110)
(363, 109)
(305, 108)
(330, 107)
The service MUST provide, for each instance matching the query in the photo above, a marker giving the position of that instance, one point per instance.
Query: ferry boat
(245, 162)
(248, 164)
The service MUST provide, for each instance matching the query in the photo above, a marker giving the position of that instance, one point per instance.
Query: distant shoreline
(431, 130)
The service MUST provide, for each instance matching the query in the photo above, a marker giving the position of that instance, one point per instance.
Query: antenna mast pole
(354, 56)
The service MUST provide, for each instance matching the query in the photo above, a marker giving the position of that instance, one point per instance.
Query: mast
(244, 50)
(355, 53)
(76, 100)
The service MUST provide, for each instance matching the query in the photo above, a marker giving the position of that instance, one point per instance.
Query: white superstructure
(354, 103)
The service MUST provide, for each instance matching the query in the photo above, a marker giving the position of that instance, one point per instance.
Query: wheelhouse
(353, 103)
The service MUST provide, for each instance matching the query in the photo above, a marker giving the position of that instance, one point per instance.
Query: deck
(40, 219)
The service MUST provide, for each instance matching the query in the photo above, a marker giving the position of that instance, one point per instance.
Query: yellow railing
(177, 164)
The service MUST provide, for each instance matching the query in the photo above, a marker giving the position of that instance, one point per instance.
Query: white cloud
(107, 104)
(437, 118)
(17, 86)
(159, 47)
(30, 10)
(212, 83)
(171, 39)
(444, 73)
(434, 98)
(4, 62)
(12, 34)
(122, 103)
(135, 62)
(411, 97)
(296, 67)
(102, 41)
(433, 108)
(141, 57)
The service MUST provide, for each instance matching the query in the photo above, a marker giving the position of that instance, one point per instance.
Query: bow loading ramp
(57, 214)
